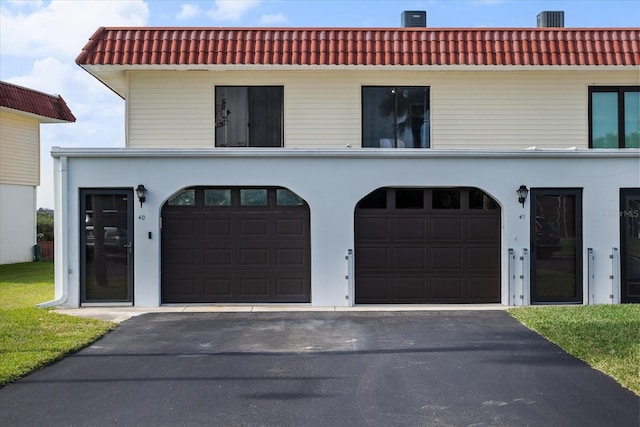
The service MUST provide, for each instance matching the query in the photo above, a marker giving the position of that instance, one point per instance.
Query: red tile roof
(348, 46)
(34, 102)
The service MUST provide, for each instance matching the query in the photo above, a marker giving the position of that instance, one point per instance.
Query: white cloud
(273, 19)
(62, 27)
(188, 11)
(231, 10)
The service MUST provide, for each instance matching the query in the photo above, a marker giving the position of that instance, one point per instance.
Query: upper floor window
(249, 116)
(614, 117)
(395, 117)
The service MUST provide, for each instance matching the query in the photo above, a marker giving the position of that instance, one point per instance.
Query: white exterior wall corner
(332, 182)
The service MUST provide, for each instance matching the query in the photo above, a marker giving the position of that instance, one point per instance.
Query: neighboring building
(341, 166)
(21, 112)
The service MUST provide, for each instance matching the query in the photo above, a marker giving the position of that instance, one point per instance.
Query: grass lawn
(30, 337)
(607, 337)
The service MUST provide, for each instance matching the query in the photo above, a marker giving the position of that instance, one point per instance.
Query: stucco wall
(332, 182)
(17, 223)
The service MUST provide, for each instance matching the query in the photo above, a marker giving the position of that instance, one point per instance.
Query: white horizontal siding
(19, 149)
(475, 109)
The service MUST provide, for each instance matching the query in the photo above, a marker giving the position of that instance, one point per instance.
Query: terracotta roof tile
(347, 46)
(34, 102)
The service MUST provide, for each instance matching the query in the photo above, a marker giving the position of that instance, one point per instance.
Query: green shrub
(45, 225)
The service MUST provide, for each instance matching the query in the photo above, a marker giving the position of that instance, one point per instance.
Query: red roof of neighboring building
(351, 46)
(34, 102)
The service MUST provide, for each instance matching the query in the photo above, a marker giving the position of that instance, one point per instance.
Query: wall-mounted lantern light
(523, 191)
(140, 192)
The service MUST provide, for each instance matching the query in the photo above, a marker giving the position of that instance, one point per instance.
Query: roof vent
(414, 18)
(551, 19)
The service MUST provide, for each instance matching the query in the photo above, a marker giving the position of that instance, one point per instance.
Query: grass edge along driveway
(32, 337)
(606, 337)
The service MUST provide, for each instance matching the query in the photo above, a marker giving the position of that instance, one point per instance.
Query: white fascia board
(362, 153)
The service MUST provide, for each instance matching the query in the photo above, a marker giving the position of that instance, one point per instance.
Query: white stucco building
(335, 167)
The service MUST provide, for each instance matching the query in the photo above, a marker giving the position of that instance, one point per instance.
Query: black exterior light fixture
(523, 191)
(140, 192)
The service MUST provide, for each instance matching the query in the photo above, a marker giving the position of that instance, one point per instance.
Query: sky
(39, 41)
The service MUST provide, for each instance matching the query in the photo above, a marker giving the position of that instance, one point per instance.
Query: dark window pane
(409, 199)
(395, 117)
(253, 197)
(265, 116)
(480, 200)
(632, 119)
(249, 116)
(217, 197)
(286, 197)
(184, 198)
(375, 200)
(445, 199)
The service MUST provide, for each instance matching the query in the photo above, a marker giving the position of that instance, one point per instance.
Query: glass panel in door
(106, 250)
(556, 246)
(630, 244)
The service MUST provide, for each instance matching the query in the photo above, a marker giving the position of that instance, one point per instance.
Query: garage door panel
(254, 227)
(184, 287)
(254, 257)
(182, 256)
(217, 257)
(290, 287)
(483, 288)
(446, 289)
(254, 287)
(218, 227)
(482, 258)
(216, 288)
(409, 289)
(290, 257)
(294, 227)
(374, 258)
(180, 227)
(447, 229)
(412, 258)
(410, 229)
(372, 289)
(429, 255)
(373, 228)
(447, 258)
(483, 229)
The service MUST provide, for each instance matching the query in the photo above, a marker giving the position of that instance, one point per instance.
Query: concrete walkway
(119, 313)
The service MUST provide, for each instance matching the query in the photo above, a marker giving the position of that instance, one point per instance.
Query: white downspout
(61, 242)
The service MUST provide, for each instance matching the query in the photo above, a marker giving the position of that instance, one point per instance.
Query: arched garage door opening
(235, 245)
(423, 246)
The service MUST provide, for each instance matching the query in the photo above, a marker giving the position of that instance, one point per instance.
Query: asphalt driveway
(320, 369)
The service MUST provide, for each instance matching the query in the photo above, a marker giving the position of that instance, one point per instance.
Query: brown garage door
(427, 246)
(235, 245)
